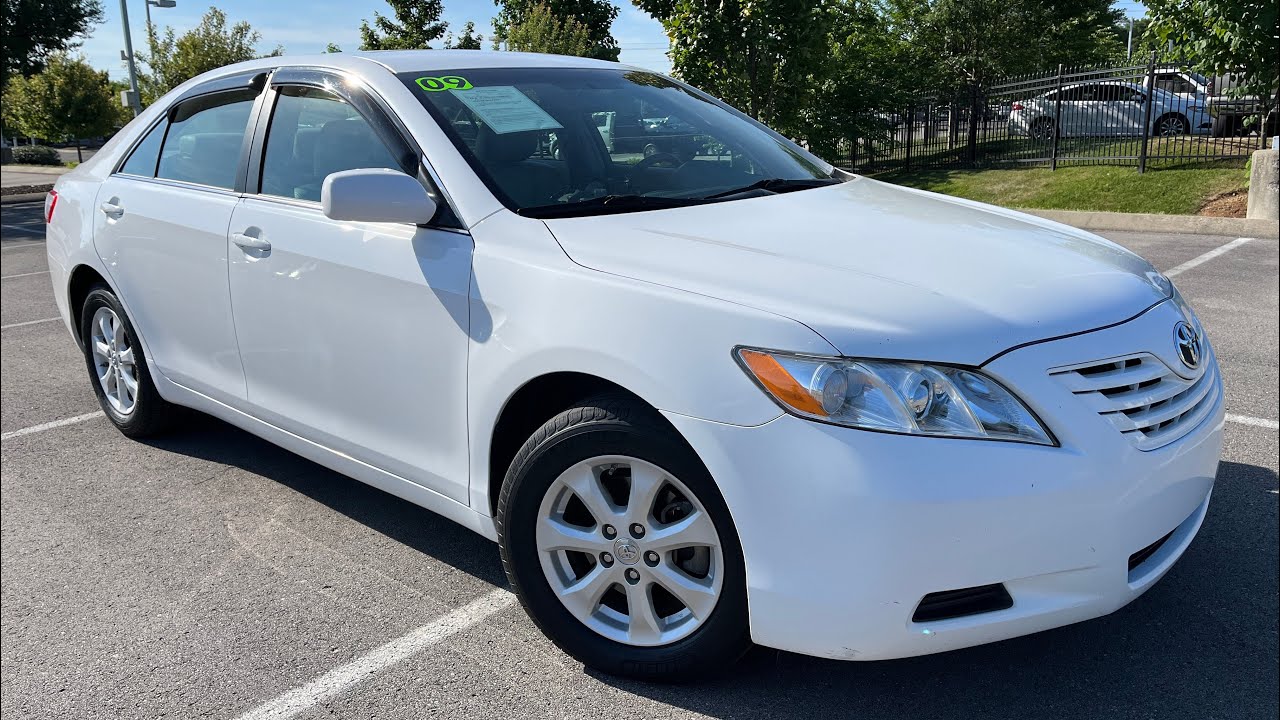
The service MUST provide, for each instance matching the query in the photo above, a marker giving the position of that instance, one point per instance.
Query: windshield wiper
(607, 204)
(774, 185)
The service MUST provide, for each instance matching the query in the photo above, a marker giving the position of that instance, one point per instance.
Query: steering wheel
(654, 159)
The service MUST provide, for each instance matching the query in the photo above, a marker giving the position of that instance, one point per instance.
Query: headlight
(900, 397)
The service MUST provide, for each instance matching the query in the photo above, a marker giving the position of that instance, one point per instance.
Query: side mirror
(376, 195)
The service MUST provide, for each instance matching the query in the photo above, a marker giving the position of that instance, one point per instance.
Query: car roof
(398, 61)
(415, 60)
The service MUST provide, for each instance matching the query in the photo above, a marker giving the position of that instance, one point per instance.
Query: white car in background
(698, 401)
(1108, 109)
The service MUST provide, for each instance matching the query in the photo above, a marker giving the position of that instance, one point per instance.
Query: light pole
(159, 4)
(134, 101)
(151, 37)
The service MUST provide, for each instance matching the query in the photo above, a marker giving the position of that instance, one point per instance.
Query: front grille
(960, 603)
(1145, 400)
(1145, 553)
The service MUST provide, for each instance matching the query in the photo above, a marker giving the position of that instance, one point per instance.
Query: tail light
(1017, 107)
(50, 203)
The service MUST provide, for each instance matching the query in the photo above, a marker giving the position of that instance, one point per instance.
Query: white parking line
(1202, 259)
(29, 322)
(18, 275)
(51, 425)
(20, 228)
(402, 648)
(1256, 422)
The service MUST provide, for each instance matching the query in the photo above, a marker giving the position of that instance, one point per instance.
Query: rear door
(352, 334)
(161, 230)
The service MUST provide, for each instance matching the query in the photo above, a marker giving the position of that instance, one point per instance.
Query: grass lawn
(1174, 191)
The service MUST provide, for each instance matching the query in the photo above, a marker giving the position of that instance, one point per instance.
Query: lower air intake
(950, 604)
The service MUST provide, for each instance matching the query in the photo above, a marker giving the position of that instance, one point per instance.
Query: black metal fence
(1149, 115)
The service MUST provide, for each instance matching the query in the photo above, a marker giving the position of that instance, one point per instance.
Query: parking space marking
(20, 246)
(1202, 259)
(51, 425)
(29, 322)
(21, 228)
(18, 275)
(1256, 422)
(402, 648)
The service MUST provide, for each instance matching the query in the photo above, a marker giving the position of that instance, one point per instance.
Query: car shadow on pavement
(1202, 643)
(211, 439)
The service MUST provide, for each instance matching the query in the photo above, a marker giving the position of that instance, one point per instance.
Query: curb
(23, 197)
(1173, 224)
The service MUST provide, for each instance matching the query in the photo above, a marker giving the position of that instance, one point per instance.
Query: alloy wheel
(630, 551)
(1042, 130)
(1171, 127)
(113, 359)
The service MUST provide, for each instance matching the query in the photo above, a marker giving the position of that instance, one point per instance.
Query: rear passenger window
(205, 135)
(314, 133)
(143, 160)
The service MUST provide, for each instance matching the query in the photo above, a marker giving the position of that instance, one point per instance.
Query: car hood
(879, 270)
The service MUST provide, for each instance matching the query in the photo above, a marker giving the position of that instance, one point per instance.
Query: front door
(352, 335)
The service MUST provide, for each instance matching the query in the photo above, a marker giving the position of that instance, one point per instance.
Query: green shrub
(35, 155)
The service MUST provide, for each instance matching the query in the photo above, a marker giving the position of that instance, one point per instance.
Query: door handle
(111, 210)
(249, 242)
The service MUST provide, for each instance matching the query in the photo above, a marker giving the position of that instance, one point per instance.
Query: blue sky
(307, 26)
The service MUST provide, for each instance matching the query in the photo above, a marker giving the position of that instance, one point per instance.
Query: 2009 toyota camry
(702, 387)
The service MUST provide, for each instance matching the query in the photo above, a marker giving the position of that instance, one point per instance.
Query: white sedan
(699, 399)
(1108, 109)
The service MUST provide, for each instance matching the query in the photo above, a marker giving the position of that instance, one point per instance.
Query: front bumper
(845, 531)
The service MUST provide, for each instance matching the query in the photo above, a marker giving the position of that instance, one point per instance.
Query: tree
(468, 40)
(542, 31)
(865, 71)
(596, 16)
(416, 26)
(36, 29)
(961, 43)
(68, 100)
(759, 55)
(208, 46)
(1225, 36)
(332, 48)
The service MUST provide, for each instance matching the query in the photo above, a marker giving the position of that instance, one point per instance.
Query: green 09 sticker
(445, 82)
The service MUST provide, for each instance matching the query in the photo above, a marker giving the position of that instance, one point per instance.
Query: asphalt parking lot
(210, 574)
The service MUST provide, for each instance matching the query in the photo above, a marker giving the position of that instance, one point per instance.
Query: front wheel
(118, 368)
(620, 546)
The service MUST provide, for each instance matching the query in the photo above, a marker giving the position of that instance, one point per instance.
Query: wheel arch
(1186, 122)
(82, 279)
(532, 404)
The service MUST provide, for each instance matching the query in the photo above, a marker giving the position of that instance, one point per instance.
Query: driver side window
(313, 134)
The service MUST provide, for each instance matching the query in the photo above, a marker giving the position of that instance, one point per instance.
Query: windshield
(558, 142)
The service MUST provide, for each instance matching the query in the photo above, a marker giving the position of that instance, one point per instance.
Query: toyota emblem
(1187, 341)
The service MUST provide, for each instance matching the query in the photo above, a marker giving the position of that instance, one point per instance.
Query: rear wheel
(118, 369)
(1172, 126)
(620, 546)
(1043, 129)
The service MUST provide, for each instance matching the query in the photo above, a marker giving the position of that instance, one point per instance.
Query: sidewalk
(17, 175)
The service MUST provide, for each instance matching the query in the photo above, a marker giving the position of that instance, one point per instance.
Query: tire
(148, 413)
(617, 431)
(1042, 129)
(649, 150)
(1172, 125)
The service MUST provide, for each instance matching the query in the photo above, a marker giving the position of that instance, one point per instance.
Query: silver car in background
(1108, 109)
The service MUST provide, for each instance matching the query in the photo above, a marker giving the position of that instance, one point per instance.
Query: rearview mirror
(376, 195)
